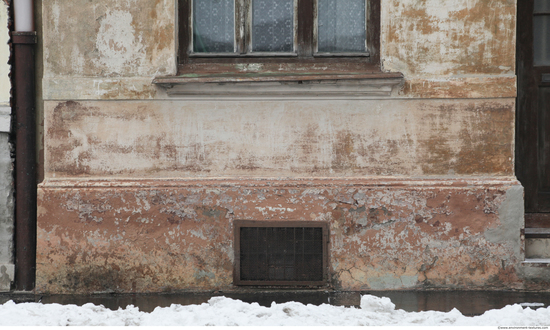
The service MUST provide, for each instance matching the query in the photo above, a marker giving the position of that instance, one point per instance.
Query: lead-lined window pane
(541, 42)
(341, 26)
(213, 26)
(273, 26)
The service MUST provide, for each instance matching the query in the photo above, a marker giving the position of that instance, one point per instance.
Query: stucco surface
(443, 38)
(6, 197)
(537, 248)
(140, 237)
(278, 139)
(107, 45)
(142, 187)
(6, 214)
(6, 164)
(5, 84)
(109, 38)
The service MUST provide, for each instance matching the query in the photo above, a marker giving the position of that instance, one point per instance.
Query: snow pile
(223, 311)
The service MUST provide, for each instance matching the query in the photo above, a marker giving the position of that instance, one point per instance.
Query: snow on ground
(223, 311)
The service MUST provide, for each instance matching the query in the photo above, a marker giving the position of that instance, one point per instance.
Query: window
(264, 49)
(280, 253)
(300, 33)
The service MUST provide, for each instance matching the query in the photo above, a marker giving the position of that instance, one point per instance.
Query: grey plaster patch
(512, 219)
(6, 201)
(389, 282)
(534, 274)
(537, 248)
(511, 216)
(5, 119)
(7, 274)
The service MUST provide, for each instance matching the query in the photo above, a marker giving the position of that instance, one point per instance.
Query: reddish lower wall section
(150, 236)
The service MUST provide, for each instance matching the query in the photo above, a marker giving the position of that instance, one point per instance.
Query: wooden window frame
(305, 58)
(238, 224)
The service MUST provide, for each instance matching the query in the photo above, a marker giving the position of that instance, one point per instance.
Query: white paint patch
(5, 118)
(5, 85)
(56, 14)
(274, 209)
(118, 45)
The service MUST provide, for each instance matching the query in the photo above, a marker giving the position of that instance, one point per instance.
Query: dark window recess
(281, 255)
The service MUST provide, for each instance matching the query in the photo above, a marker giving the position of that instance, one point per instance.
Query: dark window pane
(542, 6)
(289, 274)
(341, 26)
(541, 41)
(273, 26)
(213, 26)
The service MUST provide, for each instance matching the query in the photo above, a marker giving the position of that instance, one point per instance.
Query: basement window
(291, 253)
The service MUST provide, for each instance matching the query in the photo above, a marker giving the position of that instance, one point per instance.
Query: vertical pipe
(24, 41)
(23, 12)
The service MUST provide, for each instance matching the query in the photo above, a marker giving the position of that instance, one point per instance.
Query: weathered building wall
(279, 139)
(6, 162)
(112, 49)
(455, 49)
(169, 235)
(141, 187)
(107, 49)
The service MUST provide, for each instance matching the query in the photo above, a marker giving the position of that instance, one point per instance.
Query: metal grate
(279, 255)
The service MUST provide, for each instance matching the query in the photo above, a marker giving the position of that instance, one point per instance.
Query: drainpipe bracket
(24, 37)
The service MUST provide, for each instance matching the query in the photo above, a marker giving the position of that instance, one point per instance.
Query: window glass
(542, 6)
(214, 26)
(273, 26)
(341, 26)
(541, 42)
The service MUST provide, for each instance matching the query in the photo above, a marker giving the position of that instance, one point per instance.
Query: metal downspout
(24, 42)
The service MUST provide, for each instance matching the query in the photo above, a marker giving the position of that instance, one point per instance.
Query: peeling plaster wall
(5, 84)
(449, 38)
(279, 139)
(442, 42)
(463, 48)
(174, 235)
(109, 38)
(6, 162)
(141, 189)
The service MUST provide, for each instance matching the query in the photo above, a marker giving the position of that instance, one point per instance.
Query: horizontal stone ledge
(542, 263)
(144, 88)
(274, 182)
